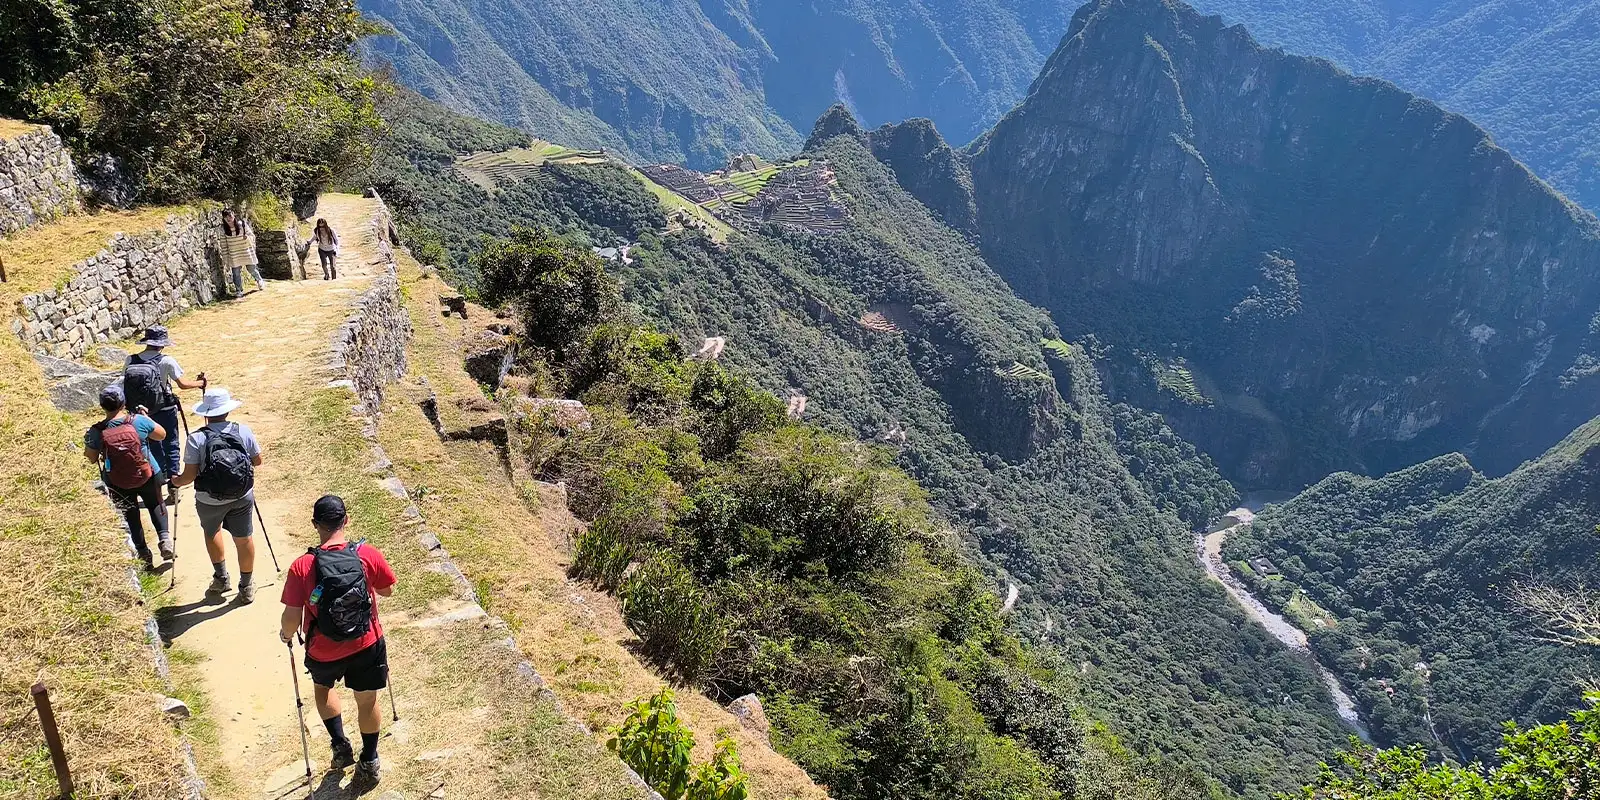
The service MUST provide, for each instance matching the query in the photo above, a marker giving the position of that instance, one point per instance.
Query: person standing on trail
(331, 595)
(327, 249)
(147, 379)
(220, 460)
(238, 245)
(120, 446)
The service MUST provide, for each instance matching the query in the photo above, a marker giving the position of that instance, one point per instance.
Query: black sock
(369, 746)
(244, 579)
(335, 726)
(220, 569)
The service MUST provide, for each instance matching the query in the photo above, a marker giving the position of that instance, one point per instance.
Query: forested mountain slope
(1304, 270)
(1526, 70)
(694, 82)
(1418, 569)
(895, 330)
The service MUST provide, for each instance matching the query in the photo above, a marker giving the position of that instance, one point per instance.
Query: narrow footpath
(260, 347)
(461, 722)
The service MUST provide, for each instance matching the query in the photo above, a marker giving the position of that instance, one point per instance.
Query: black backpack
(143, 384)
(225, 469)
(344, 605)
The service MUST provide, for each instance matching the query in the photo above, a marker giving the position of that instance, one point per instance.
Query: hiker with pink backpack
(120, 446)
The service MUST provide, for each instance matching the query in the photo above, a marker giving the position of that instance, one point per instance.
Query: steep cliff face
(1528, 71)
(1352, 277)
(929, 169)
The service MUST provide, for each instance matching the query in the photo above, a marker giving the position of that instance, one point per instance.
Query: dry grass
(510, 544)
(12, 128)
(72, 618)
(459, 695)
(41, 258)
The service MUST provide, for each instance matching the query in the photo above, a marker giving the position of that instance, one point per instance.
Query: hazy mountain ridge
(1526, 70)
(694, 82)
(1354, 278)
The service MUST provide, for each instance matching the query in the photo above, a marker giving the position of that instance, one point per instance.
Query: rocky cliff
(1348, 276)
(929, 169)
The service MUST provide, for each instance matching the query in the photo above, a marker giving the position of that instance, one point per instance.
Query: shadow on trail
(332, 786)
(175, 621)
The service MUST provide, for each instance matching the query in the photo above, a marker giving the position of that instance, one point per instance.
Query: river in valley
(1208, 547)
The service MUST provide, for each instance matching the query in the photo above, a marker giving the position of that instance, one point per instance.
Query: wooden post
(52, 737)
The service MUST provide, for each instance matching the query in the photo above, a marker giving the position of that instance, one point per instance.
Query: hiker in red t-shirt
(331, 595)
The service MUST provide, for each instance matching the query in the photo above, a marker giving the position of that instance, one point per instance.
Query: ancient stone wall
(280, 253)
(369, 350)
(37, 180)
(138, 280)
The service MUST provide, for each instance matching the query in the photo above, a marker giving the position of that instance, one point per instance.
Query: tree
(196, 98)
(559, 290)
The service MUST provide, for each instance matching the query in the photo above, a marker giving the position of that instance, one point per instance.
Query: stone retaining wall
(136, 281)
(37, 180)
(369, 351)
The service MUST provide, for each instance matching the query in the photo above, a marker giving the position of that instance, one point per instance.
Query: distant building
(615, 254)
(1264, 568)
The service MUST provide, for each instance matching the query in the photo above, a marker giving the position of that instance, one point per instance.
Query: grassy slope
(510, 539)
(62, 548)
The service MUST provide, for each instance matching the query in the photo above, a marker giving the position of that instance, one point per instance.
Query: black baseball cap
(328, 510)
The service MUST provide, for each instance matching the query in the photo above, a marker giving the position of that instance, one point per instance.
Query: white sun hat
(216, 403)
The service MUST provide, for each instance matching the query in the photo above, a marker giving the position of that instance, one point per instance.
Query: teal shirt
(143, 424)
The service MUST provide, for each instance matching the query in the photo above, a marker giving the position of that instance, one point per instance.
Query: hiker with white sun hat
(220, 460)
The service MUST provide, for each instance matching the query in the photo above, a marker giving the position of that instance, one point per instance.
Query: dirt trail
(260, 347)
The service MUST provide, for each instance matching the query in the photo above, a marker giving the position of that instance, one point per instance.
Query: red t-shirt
(297, 592)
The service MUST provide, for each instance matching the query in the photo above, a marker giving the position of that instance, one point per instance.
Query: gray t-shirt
(195, 445)
(170, 371)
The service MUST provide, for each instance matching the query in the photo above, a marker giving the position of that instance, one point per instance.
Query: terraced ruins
(490, 170)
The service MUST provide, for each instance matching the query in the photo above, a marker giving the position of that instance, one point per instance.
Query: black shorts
(366, 671)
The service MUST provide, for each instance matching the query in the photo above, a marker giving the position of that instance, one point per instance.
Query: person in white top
(327, 249)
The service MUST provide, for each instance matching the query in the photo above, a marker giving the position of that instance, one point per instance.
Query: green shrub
(721, 779)
(559, 290)
(674, 617)
(213, 98)
(657, 746)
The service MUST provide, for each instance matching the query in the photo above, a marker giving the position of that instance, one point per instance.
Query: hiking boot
(247, 594)
(219, 584)
(367, 771)
(149, 560)
(166, 550)
(342, 757)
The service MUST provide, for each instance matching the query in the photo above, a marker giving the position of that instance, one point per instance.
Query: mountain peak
(1167, 174)
(836, 121)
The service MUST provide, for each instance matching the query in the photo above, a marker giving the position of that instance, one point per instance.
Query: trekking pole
(300, 713)
(183, 418)
(172, 563)
(266, 536)
(388, 678)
